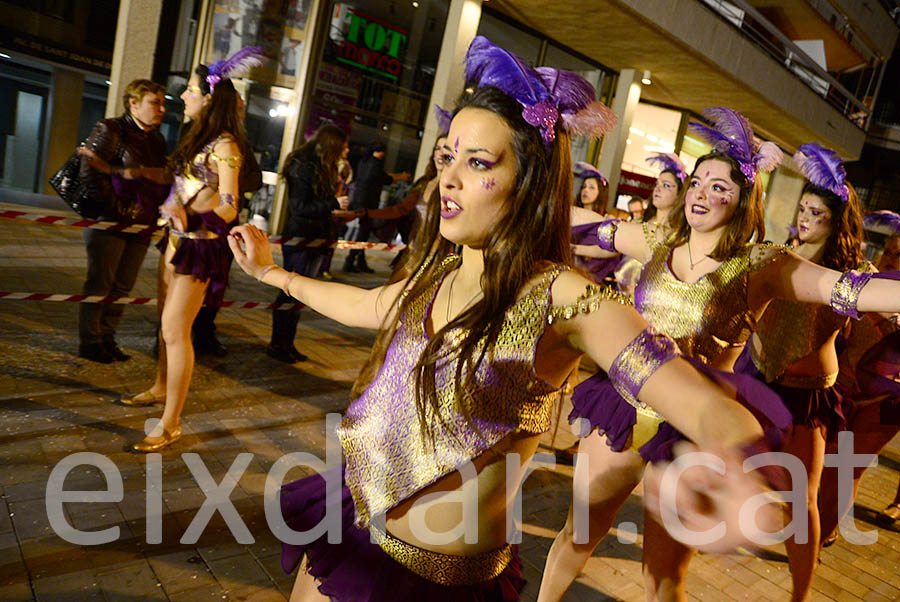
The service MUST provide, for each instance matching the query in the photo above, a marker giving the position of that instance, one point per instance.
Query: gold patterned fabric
(789, 331)
(638, 361)
(705, 317)
(606, 234)
(446, 569)
(387, 456)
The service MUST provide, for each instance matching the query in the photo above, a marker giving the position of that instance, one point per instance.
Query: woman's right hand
(256, 254)
(93, 160)
(343, 202)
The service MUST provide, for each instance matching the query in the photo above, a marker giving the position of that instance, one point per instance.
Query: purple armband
(226, 198)
(606, 234)
(638, 361)
(845, 293)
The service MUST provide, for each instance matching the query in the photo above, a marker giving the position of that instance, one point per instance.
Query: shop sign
(372, 45)
(635, 184)
(49, 50)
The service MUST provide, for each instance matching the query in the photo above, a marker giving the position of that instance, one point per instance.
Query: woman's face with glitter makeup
(712, 196)
(813, 219)
(479, 176)
(589, 192)
(666, 191)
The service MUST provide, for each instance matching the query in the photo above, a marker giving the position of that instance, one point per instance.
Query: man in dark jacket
(114, 258)
(370, 178)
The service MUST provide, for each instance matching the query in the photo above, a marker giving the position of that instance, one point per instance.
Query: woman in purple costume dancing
(705, 287)
(473, 351)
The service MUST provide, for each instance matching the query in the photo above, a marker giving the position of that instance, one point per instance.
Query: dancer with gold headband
(472, 352)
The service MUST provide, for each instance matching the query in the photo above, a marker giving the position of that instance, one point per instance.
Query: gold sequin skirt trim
(445, 569)
(801, 381)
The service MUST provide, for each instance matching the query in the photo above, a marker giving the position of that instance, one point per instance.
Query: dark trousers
(114, 260)
(305, 261)
(358, 256)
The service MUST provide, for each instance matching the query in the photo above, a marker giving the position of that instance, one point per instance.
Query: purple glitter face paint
(456, 146)
(488, 183)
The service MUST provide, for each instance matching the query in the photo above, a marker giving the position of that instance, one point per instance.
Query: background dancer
(430, 395)
(705, 287)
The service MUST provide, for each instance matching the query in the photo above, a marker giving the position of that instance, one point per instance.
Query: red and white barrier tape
(80, 222)
(10, 296)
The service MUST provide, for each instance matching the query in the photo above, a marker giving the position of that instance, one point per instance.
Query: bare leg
(808, 445)
(306, 588)
(869, 437)
(163, 278)
(611, 477)
(665, 564)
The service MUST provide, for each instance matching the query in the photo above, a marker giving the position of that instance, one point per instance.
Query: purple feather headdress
(883, 221)
(793, 232)
(823, 168)
(585, 170)
(671, 162)
(547, 95)
(238, 65)
(732, 135)
(444, 117)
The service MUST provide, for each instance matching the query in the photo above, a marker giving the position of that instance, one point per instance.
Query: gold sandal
(152, 444)
(142, 399)
(890, 514)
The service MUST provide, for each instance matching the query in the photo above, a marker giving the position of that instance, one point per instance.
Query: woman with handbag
(114, 258)
(200, 210)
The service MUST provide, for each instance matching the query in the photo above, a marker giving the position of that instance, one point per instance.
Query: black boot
(96, 352)
(362, 266)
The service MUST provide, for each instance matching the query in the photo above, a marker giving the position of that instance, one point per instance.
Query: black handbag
(68, 185)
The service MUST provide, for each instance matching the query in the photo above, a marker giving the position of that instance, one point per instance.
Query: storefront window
(24, 93)
(653, 130)
(375, 75)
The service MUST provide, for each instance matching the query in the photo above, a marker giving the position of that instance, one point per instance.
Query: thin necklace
(691, 257)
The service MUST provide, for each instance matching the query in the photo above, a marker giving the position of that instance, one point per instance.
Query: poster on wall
(336, 88)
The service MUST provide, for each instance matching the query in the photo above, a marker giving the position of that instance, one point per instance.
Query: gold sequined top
(705, 317)
(387, 457)
(790, 330)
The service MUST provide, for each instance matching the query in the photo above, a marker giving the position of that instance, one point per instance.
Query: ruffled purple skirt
(598, 402)
(812, 408)
(205, 259)
(357, 570)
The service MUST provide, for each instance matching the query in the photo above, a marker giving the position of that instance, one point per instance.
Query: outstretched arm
(611, 237)
(349, 305)
(793, 277)
(688, 400)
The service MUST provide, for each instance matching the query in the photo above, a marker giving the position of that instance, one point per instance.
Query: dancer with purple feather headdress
(472, 352)
(705, 286)
(202, 207)
(793, 346)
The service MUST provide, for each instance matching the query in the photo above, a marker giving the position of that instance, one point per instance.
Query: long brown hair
(327, 145)
(843, 249)
(748, 221)
(221, 115)
(602, 200)
(651, 210)
(535, 228)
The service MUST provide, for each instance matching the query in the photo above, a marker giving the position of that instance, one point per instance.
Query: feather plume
(884, 222)
(444, 117)
(822, 167)
(596, 119)
(239, 64)
(571, 91)
(490, 65)
(669, 161)
(731, 132)
(584, 170)
(768, 157)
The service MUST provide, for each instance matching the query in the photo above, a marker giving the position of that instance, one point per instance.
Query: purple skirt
(205, 259)
(357, 570)
(812, 408)
(597, 401)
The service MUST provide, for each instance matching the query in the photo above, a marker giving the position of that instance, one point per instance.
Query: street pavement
(54, 404)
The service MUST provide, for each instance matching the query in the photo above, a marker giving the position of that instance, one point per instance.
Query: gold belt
(802, 381)
(445, 569)
(645, 428)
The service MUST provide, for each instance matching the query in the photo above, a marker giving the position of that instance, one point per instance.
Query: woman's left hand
(705, 500)
(257, 252)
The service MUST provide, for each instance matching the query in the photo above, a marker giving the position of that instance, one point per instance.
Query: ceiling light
(415, 5)
(646, 79)
(3, 55)
(634, 130)
(628, 141)
(652, 138)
